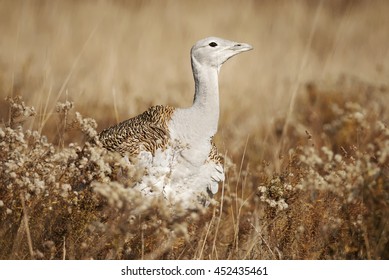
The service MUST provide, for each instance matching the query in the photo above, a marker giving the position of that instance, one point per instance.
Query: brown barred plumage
(147, 131)
(214, 154)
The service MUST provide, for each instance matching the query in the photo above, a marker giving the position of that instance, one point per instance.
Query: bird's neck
(206, 99)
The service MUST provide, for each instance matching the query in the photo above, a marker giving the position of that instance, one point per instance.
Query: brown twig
(25, 218)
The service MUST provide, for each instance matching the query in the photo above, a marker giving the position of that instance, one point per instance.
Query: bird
(175, 146)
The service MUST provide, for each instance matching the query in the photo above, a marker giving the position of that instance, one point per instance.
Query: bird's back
(145, 132)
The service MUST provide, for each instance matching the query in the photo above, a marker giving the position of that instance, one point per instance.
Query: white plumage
(175, 145)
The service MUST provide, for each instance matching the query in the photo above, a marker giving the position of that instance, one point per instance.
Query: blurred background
(116, 58)
(303, 127)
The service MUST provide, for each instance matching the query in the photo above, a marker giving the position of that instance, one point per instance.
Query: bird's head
(213, 51)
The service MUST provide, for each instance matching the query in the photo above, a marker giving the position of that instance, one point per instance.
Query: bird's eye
(213, 44)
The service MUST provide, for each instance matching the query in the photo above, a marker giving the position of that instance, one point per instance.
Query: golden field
(303, 128)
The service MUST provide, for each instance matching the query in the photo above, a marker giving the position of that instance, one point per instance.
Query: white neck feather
(205, 106)
(194, 126)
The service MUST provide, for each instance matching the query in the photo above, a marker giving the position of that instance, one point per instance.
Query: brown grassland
(303, 129)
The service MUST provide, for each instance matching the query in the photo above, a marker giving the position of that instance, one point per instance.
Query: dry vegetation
(304, 129)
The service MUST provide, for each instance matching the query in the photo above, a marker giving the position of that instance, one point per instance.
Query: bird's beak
(241, 47)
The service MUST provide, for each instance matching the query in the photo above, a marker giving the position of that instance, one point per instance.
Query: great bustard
(176, 145)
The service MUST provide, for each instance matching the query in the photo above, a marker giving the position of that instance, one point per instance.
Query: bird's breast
(191, 139)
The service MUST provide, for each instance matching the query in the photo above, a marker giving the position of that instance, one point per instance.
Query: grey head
(214, 51)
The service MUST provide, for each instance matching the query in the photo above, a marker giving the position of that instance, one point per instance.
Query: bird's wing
(145, 132)
(218, 171)
(214, 154)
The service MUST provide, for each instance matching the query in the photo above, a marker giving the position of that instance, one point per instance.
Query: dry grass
(307, 149)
